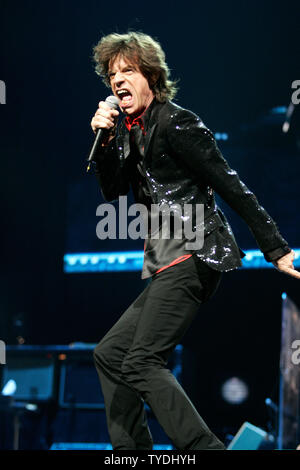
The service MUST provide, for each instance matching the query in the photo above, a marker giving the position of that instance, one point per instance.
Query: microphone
(101, 134)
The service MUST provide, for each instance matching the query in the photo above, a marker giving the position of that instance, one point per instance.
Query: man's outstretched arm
(196, 145)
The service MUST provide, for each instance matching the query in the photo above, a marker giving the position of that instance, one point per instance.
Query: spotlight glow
(235, 391)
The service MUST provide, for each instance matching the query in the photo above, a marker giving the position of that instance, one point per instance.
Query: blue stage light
(279, 110)
(221, 136)
(96, 446)
(133, 261)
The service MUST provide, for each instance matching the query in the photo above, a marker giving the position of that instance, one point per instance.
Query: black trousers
(131, 361)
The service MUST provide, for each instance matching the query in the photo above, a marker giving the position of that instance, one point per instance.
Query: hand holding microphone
(103, 124)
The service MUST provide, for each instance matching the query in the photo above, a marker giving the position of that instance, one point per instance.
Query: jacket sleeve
(195, 145)
(111, 175)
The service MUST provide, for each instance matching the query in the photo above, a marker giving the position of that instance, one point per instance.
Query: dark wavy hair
(141, 49)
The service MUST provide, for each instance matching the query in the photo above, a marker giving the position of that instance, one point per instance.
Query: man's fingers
(104, 106)
(291, 271)
(108, 113)
(294, 273)
(105, 117)
(101, 122)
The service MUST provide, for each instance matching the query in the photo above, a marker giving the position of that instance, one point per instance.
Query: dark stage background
(235, 62)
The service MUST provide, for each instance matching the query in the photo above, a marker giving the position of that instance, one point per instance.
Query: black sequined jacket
(183, 165)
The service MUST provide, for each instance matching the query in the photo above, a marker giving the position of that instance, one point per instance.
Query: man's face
(130, 86)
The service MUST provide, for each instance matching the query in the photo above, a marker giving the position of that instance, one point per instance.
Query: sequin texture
(183, 165)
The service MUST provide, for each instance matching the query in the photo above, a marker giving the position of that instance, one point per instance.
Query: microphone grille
(112, 101)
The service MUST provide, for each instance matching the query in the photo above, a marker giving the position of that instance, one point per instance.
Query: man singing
(167, 156)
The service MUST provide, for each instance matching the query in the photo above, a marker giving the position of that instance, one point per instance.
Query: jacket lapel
(148, 138)
(123, 142)
(153, 122)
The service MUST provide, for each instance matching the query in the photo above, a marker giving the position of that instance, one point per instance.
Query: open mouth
(125, 97)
